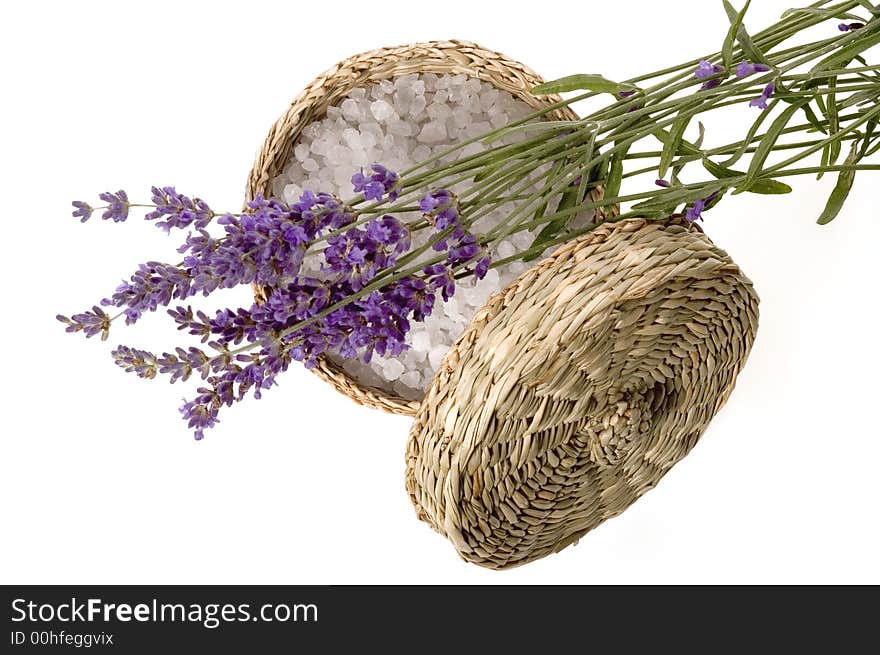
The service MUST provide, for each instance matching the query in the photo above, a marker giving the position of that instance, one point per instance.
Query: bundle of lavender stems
(348, 275)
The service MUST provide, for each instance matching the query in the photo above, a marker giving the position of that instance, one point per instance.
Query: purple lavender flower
(460, 245)
(377, 184)
(663, 183)
(463, 250)
(83, 210)
(707, 69)
(117, 206)
(153, 285)
(695, 211)
(179, 211)
(761, 100)
(91, 322)
(195, 323)
(440, 278)
(413, 294)
(710, 84)
(482, 267)
(140, 362)
(435, 200)
(847, 27)
(201, 413)
(357, 255)
(181, 364)
(390, 232)
(746, 68)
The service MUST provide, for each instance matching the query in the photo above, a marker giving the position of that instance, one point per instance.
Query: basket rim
(363, 69)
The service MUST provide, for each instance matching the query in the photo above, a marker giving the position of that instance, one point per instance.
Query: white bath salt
(381, 110)
(399, 123)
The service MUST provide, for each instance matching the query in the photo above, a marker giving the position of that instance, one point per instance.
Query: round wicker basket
(330, 88)
(574, 389)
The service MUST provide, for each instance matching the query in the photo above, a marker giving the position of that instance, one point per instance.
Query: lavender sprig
(178, 210)
(117, 206)
(303, 316)
(90, 322)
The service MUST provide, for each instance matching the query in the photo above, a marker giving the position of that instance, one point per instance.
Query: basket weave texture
(330, 88)
(577, 388)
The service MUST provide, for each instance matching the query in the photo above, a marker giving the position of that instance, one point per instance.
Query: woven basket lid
(331, 87)
(576, 389)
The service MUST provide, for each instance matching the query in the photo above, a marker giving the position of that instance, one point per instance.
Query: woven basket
(330, 88)
(577, 387)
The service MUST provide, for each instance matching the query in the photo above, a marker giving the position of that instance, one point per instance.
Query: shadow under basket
(576, 388)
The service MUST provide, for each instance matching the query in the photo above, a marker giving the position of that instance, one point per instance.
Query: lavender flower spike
(707, 69)
(695, 212)
(118, 205)
(179, 210)
(848, 27)
(761, 100)
(745, 68)
(90, 323)
(375, 185)
(83, 210)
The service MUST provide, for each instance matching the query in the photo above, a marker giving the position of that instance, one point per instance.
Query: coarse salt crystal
(381, 110)
(435, 357)
(351, 110)
(392, 368)
(421, 341)
(433, 132)
(301, 152)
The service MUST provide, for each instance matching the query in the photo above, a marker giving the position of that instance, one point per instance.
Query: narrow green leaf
(765, 145)
(486, 172)
(730, 39)
(615, 174)
(873, 149)
(745, 41)
(859, 98)
(841, 190)
(823, 163)
(555, 227)
(831, 151)
(753, 130)
(760, 186)
(581, 82)
(542, 206)
(684, 145)
(698, 143)
(870, 126)
(813, 119)
(702, 135)
(596, 173)
(672, 144)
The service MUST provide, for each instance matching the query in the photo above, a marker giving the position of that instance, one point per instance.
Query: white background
(101, 482)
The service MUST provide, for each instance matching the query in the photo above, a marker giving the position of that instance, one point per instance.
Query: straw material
(577, 388)
(453, 57)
